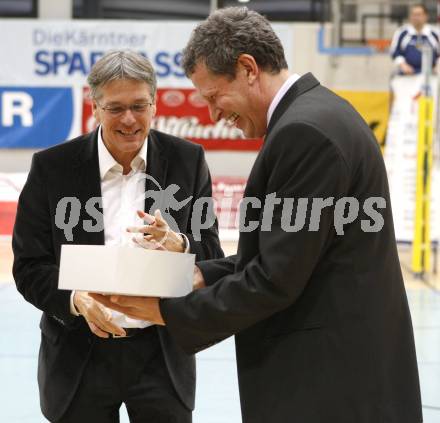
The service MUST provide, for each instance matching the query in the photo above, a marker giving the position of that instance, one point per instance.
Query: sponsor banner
(11, 185)
(373, 107)
(401, 159)
(60, 54)
(35, 117)
(8, 210)
(227, 193)
(183, 113)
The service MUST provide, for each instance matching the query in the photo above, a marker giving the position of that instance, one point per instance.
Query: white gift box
(125, 270)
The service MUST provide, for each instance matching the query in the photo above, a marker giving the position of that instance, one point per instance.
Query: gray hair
(121, 64)
(225, 35)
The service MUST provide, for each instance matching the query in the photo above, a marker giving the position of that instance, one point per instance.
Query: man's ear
(247, 64)
(95, 111)
(153, 109)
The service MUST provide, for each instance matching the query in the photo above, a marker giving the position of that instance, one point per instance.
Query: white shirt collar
(107, 161)
(426, 30)
(280, 94)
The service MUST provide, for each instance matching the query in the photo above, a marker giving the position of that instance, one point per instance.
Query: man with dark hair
(320, 316)
(92, 359)
(406, 46)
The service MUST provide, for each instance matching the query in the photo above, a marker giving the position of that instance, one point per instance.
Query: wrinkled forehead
(124, 91)
(208, 83)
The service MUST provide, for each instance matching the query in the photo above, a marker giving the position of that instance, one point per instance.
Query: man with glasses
(93, 359)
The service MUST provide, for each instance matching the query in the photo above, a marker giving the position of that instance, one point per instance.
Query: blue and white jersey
(407, 45)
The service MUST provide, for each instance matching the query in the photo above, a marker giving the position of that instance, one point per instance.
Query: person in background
(406, 46)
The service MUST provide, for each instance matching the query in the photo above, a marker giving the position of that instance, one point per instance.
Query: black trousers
(131, 371)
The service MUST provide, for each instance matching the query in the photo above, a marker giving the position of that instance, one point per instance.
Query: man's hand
(96, 315)
(158, 234)
(198, 279)
(142, 308)
(406, 69)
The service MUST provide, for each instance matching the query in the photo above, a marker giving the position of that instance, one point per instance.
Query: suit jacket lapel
(89, 185)
(305, 83)
(157, 166)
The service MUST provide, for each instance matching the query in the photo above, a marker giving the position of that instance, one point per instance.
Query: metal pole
(437, 103)
(214, 6)
(426, 70)
(421, 259)
(337, 21)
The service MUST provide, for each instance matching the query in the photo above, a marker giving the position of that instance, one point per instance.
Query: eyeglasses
(119, 110)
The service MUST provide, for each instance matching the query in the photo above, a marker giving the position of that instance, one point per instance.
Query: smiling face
(125, 133)
(235, 100)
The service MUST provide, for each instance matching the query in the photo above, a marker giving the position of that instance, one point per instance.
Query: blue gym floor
(217, 391)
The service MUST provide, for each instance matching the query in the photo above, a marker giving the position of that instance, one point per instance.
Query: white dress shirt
(280, 94)
(122, 196)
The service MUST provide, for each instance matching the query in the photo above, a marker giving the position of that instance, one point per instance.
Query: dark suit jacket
(323, 329)
(72, 169)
